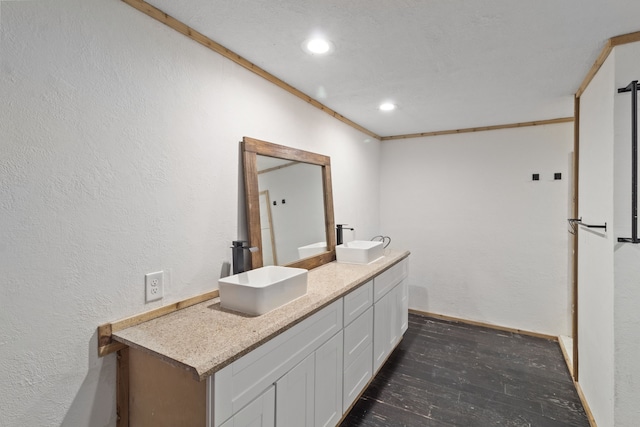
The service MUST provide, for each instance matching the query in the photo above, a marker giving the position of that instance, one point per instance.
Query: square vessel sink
(259, 291)
(359, 252)
(312, 249)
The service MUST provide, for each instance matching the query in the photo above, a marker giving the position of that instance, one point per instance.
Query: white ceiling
(447, 64)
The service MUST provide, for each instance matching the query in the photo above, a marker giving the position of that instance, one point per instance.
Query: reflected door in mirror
(269, 254)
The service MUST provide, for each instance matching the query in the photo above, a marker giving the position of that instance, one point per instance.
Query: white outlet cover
(154, 286)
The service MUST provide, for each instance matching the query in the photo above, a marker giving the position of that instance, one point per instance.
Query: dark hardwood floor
(452, 374)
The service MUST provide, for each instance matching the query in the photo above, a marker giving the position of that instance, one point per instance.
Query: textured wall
(608, 270)
(118, 157)
(626, 256)
(488, 244)
(595, 264)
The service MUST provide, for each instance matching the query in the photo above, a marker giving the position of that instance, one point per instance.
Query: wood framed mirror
(289, 204)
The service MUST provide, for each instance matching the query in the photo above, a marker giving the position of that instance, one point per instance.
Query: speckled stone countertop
(205, 338)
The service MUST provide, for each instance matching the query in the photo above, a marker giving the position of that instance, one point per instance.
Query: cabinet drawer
(259, 413)
(357, 301)
(386, 280)
(357, 376)
(357, 336)
(243, 380)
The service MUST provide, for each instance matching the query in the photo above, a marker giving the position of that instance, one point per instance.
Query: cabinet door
(328, 381)
(259, 413)
(382, 318)
(390, 321)
(240, 382)
(396, 318)
(295, 395)
(403, 303)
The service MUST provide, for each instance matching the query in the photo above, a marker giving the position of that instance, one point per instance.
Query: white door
(295, 395)
(328, 399)
(403, 295)
(269, 255)
(382, 329)
(395, 307)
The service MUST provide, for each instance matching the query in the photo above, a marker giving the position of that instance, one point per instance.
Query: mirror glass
(291, 210)
(289, 205)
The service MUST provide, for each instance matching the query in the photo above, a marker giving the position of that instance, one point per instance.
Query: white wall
(118, 157)
(626, 256)
(595, 265)
(488, 244)
(609, 270)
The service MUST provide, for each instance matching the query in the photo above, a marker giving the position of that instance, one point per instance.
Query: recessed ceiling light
(387, 106)
(317, 46)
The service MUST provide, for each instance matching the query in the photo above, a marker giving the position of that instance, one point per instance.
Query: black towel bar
(633, 88)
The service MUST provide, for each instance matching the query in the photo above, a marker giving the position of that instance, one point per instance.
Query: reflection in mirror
(291, 209)
(289, 205)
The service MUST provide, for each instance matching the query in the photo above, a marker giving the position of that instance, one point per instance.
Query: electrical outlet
(154, 286)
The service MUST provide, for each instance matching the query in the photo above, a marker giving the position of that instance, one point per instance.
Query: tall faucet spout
(339, 229)
(237, 252)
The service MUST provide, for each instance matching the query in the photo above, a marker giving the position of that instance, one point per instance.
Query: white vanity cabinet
(320, 366)
(307, 395)
(308, 375)
(305, 360)
(390, 311)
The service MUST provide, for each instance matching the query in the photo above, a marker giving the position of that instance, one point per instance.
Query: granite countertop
(205, 338)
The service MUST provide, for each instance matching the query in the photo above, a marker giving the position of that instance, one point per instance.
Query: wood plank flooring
(452, 374)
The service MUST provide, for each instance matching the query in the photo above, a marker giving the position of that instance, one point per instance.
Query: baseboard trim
(482, 324)
(585, 405)
(567, 358)
(583, 399)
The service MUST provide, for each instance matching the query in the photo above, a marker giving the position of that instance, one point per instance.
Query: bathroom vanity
(303, 364)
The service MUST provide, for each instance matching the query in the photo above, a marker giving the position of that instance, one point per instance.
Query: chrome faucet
(340, 227)
(238, 248)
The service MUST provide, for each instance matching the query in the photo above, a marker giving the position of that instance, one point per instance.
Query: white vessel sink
(359, 252)
(312, 249)
(259, 291)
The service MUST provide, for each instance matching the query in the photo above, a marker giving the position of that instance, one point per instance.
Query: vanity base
(162, 395)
